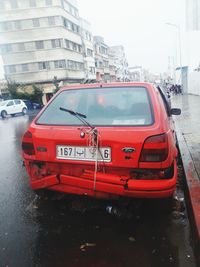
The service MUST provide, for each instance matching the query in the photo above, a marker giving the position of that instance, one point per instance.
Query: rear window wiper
(79, 116)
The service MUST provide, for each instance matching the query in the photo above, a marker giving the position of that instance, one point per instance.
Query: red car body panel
(123, 175)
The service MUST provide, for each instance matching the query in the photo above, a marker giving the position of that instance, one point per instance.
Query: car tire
(24, 111)
(3, 114)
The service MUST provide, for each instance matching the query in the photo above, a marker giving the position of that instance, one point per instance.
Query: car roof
(105, 85)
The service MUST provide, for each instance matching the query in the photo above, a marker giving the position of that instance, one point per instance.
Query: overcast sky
(139, 25)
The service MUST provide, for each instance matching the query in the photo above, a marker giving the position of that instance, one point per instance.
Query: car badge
(128, 149)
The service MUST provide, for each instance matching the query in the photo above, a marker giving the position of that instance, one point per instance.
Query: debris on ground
(179, 203)
(86, 245)
(178, 215)
(120, 213)
(131, 239)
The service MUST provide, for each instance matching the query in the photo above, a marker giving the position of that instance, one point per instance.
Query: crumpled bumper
(108, 185)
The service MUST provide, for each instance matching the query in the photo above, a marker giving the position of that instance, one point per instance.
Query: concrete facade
(192, 15)
(120, 62)
(41, 39)
(88, 51)
(191, 53)
(101, 60)
(136, 74)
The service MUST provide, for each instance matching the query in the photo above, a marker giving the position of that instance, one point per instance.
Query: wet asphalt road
(75, 231)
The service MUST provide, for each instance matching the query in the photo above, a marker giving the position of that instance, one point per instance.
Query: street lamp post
(177, 26)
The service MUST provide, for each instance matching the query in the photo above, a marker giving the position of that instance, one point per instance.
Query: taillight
(155, 149)
(27, 144)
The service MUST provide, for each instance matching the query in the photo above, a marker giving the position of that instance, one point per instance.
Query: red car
(105, 141)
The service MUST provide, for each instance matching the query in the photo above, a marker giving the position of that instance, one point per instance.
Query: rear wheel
(24, 111)
(3, 114)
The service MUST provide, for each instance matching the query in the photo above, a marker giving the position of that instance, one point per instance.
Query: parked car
(104, 140)
(12, 107)
(32, 105)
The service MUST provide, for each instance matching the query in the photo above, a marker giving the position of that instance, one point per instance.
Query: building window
(69, 25)
(56, 43)
(70, 10)
(12, 69)
(75, 47)
(65, 6)
(80, 48)
(103, 50)
(7, 26)
(32, 3)
(65, 23)
(76, 13)
(7, 48)
(74, 65)
(17, 24)
(105, 64)
(2, 5)
(51, 21)
(75, 28)
(36, 22)
(70, 64)
(67, 43)
(24, 67)
(89, 52)
(43, 65)
(81, 66)
(21, 47)
(39, 44)
(48, 2)
(92, 70)
(13, 4)
(59, 64)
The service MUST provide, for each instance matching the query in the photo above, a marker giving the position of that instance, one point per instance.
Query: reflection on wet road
(74, 231)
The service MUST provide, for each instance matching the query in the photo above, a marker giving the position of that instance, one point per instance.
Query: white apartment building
(88, 51)
(192, 15)
(101, 60)
(41, 39)
(120, 62)
(136, 74)
(190, 72)
(112, 67)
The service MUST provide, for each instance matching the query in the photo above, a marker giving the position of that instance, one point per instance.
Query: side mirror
(175, 111)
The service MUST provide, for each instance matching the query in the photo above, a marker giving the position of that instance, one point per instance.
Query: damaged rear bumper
(108, 185)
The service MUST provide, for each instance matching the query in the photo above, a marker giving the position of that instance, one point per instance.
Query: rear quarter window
(127, 106)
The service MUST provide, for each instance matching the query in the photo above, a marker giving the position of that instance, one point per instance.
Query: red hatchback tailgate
(125, 144)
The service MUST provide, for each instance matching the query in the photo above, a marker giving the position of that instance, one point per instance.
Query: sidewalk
(188, 133)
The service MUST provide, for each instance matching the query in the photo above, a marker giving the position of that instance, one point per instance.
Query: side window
(10, 103)
(17, 102)
(165, 102)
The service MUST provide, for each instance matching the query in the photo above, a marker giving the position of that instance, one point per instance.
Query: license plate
(83, 153)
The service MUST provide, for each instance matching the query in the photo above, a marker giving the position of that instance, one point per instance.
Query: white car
(12, 107)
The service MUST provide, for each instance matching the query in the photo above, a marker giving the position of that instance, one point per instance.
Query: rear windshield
(119, 106)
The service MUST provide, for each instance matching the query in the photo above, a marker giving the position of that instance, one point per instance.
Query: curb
(193, 190)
